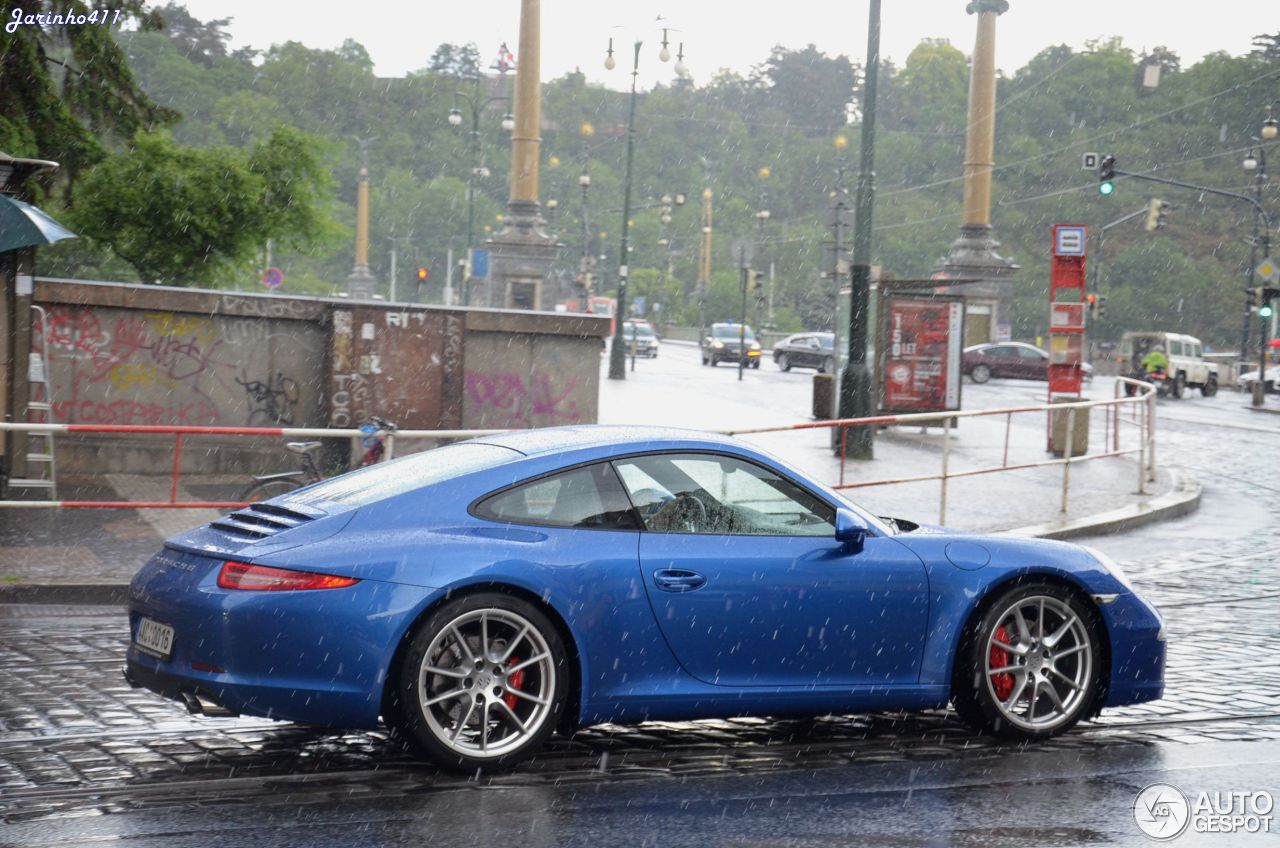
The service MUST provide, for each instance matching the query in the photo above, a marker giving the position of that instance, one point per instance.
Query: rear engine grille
(260, 521)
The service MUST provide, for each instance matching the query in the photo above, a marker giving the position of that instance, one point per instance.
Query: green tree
(181, 215)
(812, 88)
(65, 90)
(202, 42)
(453, 60)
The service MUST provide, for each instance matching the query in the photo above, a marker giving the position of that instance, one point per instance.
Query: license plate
(154, 638)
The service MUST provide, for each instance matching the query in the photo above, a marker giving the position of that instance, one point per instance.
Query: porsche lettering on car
(481, 596)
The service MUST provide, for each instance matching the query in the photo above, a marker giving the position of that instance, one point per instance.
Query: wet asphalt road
(86, 760)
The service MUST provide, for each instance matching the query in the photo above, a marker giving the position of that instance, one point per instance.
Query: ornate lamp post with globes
(476, 105)
(617, 352)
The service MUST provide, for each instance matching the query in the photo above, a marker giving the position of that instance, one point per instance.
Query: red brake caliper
(513, 682)
(1002, 683)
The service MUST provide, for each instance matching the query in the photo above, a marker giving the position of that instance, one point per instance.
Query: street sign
(1268, 271)
(1068, 240)
(1089, 161)
(480, 263)
(272, 278)
(742, 251)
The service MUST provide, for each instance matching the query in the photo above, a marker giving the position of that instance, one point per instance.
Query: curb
(1183, 497)
(68, 594)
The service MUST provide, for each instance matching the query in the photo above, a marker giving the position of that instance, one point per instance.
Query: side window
(588, 497)
(1029, 353)
(1175, 348)
(705, 493)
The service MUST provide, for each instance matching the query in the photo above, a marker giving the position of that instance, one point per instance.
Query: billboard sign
(919, 348)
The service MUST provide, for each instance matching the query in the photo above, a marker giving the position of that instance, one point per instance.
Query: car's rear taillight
(262, 578)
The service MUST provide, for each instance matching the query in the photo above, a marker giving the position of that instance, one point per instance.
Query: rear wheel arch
(574, 700)
(996, 591)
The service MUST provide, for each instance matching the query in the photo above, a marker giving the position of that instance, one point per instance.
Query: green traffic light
(1106, 188)
(1265, 310)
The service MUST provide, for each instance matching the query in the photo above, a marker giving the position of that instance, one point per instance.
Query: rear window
(730, 331)
(388, 479)
(582, 497)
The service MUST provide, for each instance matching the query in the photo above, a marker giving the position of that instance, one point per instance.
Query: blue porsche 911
(481, 596)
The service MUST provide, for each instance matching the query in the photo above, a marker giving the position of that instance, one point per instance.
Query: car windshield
(638, 330)
(731, 331)
(387, 479)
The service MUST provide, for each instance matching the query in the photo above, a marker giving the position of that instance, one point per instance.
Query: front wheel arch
(995, 591)
(573, 700)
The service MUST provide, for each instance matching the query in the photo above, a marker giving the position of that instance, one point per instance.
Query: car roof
(553, 439)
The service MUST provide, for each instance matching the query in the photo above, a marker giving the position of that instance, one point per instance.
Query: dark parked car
(806, 350)
(642, 337)
(1008, 359)
(725, 343)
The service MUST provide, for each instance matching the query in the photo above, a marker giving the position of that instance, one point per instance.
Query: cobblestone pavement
(76, 740)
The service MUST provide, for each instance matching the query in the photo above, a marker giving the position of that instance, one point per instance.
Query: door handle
(678, 580)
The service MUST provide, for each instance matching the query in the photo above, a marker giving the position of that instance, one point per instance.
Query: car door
(802, 352)
(1033, 364)
(750, 588)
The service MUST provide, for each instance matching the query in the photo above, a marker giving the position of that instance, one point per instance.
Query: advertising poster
(920, 340)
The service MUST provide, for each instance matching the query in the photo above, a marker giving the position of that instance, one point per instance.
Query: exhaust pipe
(198, 703)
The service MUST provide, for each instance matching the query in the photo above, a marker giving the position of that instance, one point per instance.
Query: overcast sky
(400, 35)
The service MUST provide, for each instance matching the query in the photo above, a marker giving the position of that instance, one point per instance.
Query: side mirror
(850, 530)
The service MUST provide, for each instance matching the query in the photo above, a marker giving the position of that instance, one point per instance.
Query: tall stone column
(974, 255)
(522, 252)
(361, 284)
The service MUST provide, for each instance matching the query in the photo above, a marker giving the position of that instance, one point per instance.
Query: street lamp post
(762, 218)
(617, 353)
(584, 181)
(476, 106)
(1256, 161)
(855, 380)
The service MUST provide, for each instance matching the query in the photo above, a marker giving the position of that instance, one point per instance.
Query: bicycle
(267, 486)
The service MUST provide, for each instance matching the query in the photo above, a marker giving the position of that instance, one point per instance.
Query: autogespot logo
(1161, 811)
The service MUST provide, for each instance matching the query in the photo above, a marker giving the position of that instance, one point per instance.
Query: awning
(23, 225)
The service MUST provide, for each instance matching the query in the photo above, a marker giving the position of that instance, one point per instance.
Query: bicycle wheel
(265, 490)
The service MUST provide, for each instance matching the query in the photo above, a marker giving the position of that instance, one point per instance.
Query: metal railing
(1140, 408)
(1141, 403)
(180, 432)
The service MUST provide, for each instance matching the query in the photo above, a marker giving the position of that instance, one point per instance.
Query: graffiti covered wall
(119, 366)
(147, 355)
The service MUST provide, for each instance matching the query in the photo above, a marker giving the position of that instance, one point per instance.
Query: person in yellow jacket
(1155, 361)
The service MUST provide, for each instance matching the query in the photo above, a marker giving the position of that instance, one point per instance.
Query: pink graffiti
(506, 399)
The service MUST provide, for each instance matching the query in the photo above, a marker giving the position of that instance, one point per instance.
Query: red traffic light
(423, 273)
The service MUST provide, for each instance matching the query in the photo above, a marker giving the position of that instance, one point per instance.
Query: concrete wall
(128, 354)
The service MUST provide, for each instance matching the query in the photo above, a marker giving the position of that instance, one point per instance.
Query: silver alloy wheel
(486, 683)
(1038, 663)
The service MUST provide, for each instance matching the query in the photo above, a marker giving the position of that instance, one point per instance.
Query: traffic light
(1106, 175)
(1264, 297)
(423, 273)
(1102, 306)
(1155, 214)
(1092, 302)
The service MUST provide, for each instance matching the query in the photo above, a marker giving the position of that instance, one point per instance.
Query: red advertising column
(919, 345)
(1066, 312)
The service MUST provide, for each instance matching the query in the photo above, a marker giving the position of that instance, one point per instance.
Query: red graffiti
(506, 399)
(157, 354)
(134, 412)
